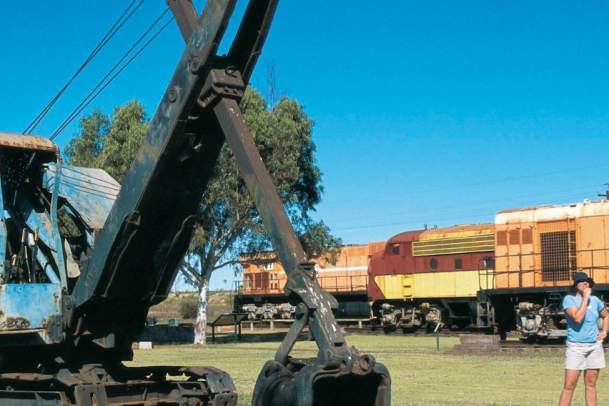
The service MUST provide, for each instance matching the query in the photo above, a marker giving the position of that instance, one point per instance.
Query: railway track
(416, 333)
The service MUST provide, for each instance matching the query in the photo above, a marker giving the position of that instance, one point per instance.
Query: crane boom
(130, 263)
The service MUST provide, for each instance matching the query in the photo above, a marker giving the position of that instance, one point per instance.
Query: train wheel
(389, 329)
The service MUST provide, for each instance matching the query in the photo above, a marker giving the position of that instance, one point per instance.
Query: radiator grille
(558, 255)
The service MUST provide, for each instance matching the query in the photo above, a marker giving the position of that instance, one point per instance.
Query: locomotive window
(488, 262)
(501, 237)
(433, 263)
(458, 263)
(515, 237)
(395, 249)
(527, 236)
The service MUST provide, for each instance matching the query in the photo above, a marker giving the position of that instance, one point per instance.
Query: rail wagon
(344, 275)
(537, 249)
(426, 277)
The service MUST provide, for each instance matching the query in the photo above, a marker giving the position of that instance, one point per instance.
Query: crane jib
(135, 256)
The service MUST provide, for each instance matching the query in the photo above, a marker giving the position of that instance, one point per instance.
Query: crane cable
(116, 27)
(114, 72)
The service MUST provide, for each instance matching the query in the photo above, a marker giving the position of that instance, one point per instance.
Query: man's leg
(590, 377)
(571, 376)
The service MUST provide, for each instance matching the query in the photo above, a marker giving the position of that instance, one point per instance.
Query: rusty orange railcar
(344, 275)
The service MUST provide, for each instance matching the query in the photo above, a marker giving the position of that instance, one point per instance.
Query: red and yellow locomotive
(423, 278)
(508, 275)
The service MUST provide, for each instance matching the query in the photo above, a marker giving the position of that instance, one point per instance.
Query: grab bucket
(306, 383)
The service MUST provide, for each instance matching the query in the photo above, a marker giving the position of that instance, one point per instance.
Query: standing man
(584, 340)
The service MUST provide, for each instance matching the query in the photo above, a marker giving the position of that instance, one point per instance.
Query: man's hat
(582, 277)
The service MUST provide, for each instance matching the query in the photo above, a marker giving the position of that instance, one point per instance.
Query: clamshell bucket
(363, 383)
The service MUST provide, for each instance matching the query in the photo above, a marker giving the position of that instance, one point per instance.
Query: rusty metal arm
(277, 382)
(185, 15)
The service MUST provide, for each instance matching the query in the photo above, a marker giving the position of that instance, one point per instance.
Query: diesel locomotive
(507, 275)
(426, 277)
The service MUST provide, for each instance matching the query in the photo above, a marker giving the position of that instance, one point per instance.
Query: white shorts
(581, 356)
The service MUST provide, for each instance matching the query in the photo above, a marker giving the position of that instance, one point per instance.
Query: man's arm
(577, 314)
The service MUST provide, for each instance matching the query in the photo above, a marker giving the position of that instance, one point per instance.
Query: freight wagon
(343, 274)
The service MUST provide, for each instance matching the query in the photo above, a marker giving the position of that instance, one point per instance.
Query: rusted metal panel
(31, 306)
(30, 142)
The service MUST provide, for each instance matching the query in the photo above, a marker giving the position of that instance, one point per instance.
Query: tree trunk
(200, 326)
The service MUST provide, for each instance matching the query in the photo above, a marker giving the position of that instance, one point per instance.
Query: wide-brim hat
(582, 277)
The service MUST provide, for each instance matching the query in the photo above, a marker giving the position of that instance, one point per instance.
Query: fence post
(437, 331)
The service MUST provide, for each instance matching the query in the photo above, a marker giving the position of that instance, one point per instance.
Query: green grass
(420, 375)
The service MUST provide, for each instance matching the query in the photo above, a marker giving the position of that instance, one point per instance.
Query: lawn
(420, 375)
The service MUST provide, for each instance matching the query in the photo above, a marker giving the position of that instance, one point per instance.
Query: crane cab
(46, 229)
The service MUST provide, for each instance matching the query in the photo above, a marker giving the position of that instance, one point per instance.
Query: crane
(84, 258)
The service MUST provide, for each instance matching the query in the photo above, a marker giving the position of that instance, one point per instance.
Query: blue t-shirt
(586, 331)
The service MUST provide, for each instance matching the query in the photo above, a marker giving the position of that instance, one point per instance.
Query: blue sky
(425, 112)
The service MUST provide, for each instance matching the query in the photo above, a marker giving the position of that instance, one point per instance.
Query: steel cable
(116, 27)
(110, 77)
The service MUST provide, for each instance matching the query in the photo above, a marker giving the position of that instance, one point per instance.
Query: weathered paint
(431, 285)
(519, 262)
(28, 306)
(37, 221)
(90, 191)
(41, 224)
(29, 142)
(47, 267)
(59, 258)
(263, 273)
(553, 212)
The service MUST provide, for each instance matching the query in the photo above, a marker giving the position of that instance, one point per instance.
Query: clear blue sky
(426, 112)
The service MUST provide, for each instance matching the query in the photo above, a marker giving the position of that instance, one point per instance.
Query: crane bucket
(363, 383)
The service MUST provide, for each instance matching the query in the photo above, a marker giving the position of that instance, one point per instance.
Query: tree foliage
(228, 223)
(107, 142)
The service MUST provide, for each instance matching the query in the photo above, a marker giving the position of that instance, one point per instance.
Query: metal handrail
(341, 284)
(551, 276)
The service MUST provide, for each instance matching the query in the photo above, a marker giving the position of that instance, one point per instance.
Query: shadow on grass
(231, 338)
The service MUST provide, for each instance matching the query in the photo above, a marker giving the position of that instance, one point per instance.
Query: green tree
(228, 221)
(85, 148)
(110, 143)
(127, 131)
(230, 224)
